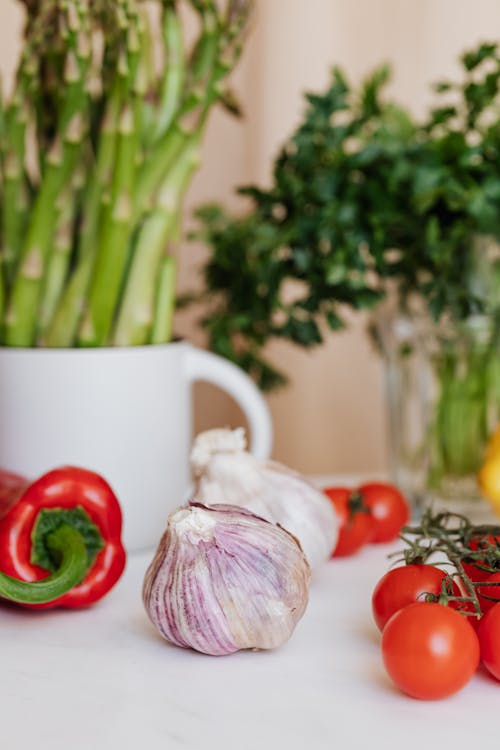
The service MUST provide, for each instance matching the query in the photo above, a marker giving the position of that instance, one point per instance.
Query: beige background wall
(331, 418)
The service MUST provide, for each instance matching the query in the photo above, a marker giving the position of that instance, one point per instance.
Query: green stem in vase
(462, 419)
(493, 372)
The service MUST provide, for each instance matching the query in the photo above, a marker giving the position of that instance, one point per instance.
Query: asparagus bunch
(98, 143)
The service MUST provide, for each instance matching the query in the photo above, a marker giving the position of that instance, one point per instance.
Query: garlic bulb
(225, 473)
(223, 579)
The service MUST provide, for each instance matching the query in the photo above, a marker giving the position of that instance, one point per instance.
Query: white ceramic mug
(123, 412)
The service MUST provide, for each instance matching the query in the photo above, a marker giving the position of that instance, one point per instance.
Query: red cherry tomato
(403, 586)
(484, 542)
(492, 592)
(429, 651)
(355, 522)
(489, 640)
(389, 509)
(475, 573)
(467, 608)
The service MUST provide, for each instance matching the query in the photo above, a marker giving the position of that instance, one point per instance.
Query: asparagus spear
(62, 331)
(171, 90)
(14, 197)
(175, 137)
(63, 325)
(114, 241)
(136, 315)
(58, 263)
(23, 305)
(2, 303)
(135, 184)
(165, 302)
(117, 223)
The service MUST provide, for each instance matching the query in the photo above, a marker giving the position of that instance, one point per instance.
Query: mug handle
(203, 365)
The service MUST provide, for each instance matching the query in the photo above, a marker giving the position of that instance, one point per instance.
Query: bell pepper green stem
(65, 542)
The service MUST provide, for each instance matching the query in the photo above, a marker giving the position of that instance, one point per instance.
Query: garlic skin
(225, 473)
(224, 579)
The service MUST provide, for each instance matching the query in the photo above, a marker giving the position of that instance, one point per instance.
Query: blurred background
(331, 416)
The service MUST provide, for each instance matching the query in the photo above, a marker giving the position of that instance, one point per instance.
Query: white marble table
(102, 679)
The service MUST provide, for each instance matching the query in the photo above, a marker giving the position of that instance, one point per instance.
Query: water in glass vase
(443, 397)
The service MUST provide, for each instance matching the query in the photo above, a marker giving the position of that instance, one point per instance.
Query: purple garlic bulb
(223, 579)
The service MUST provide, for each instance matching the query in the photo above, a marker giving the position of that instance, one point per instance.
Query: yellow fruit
(489, 481)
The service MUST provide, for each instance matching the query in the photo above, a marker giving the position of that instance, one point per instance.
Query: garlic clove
(225, 472)
(210, 442)
(224, 579)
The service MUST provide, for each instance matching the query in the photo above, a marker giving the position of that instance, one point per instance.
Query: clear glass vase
(443, 400)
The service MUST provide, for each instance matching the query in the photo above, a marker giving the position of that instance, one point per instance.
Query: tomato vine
(471, 551)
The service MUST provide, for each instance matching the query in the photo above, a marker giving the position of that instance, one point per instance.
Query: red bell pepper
(12, 487)
(60, 538)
